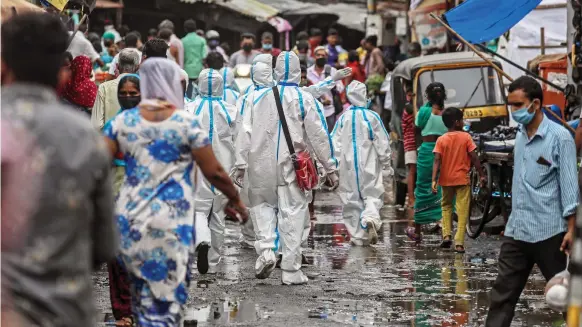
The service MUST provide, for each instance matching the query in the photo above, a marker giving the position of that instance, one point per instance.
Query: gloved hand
(341, 74)
(237, 176)
(387, 171)
(333, 180)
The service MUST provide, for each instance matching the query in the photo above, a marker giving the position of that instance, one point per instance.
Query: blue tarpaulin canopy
(484, 20)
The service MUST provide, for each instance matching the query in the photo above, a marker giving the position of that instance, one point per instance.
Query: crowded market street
(394, 283)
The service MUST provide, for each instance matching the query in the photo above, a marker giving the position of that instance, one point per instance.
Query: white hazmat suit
(362, 144)
(275, 198)
(229, 92)
(217, 117)
(262, 80)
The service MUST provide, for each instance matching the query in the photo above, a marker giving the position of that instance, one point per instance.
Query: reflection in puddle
(225, 312)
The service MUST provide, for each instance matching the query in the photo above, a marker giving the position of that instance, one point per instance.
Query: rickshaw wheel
(481, 199)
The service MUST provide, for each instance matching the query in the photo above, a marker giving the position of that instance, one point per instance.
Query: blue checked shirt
(543, 195)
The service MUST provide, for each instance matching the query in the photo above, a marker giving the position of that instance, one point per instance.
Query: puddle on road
(227, 311)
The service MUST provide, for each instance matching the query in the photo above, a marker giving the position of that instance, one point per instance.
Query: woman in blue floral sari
(155, 210)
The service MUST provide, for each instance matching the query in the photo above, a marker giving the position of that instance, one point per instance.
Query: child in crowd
(362, 145)
(454, 154)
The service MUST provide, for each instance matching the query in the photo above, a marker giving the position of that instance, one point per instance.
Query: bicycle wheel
(481, 199)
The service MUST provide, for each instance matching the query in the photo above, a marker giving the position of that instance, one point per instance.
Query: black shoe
(190, 323)
(446, 244)
(279, 259)
(202, 258)
(304, 261)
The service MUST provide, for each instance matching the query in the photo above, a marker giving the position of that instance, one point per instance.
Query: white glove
(238, 176)
(387, 170)
(333, 180)
(341, 74)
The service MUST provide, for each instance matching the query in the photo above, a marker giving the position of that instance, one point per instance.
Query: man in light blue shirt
(544, 200)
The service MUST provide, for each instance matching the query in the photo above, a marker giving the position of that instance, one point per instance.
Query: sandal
(410, 232)
(459, 248)
(446, 243)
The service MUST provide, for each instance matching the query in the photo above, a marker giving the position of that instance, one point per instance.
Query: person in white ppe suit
(363, 146)
(229, 91)
(217, 117)
(262, 78)
(276, 199)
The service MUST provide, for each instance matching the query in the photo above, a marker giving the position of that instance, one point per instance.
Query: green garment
(427, 208)
(194, 53)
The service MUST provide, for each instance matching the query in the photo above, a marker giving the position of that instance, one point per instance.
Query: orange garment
(454, 148)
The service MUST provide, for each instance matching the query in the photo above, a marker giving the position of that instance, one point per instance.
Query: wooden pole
(543, 40)
(499, 70)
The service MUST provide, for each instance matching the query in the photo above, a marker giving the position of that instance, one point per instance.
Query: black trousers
(516, 260)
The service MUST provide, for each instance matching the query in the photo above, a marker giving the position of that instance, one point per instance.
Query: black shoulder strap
(283, 120)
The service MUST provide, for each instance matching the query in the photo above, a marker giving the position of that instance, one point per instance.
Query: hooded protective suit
(217, 117)
(266, 59)
(362, 144)
(262, 77)
(276, 200)
(229, 91)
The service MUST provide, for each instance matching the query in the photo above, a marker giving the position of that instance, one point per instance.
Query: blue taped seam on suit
(370, 132)
(224, 83)
(324, 123)
(211, 131)
(381, 123)
(244, 100)
(261, 96)
(301, 106)
(225, 112)
(355, 148)
(200, 106)
(210, 82)
(286, 66)
(288, 84)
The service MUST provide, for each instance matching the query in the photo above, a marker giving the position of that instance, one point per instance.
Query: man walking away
(155, 48)
(213, 41)
(71, 229)
(166, 35)
(80, 46)
(247, 52)
(194, 53)
(374, 62)
(106, 104)
(175, 41)
(544, 200)
(131, 41)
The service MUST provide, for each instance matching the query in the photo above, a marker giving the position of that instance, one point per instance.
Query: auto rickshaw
(472, 85)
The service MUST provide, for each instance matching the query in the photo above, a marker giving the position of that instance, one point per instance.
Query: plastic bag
(557, 290)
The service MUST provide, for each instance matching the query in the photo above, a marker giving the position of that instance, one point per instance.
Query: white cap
(212, 34)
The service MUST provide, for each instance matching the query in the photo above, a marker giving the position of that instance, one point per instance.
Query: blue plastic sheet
(484, 20)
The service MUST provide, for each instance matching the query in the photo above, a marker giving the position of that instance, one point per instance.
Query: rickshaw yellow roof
(406, 68)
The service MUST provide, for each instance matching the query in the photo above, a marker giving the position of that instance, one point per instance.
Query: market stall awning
(107, 4)
(251, 8)
(483, 20)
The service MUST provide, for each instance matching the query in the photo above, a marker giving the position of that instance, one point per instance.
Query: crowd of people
(142, 171)
(150, 198)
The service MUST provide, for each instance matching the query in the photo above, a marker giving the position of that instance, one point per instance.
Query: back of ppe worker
(217, 118)
(229, 90)
(276, 200)
(362, 144)
(262, 77)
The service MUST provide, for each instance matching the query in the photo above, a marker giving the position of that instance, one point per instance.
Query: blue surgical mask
(267, 46)
(523, 116)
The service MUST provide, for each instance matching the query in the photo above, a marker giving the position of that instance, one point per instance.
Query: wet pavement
(394, 283)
